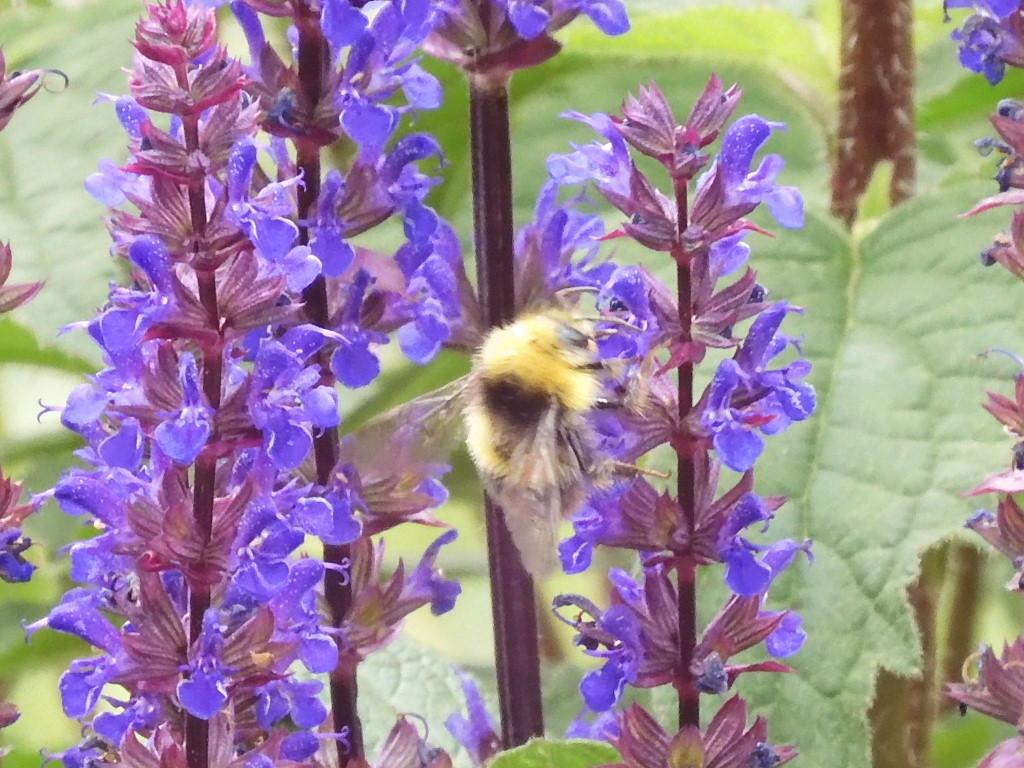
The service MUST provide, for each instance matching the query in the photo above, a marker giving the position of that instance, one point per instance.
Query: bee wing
(424, 430)
(533, 519)
(546, 477)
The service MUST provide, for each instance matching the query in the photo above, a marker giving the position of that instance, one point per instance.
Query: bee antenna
(613, 320)
(573, 289)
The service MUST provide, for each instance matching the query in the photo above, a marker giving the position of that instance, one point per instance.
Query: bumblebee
(525, 407)
(532, 386)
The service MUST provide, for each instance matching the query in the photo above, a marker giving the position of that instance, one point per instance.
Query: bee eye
(571, 337)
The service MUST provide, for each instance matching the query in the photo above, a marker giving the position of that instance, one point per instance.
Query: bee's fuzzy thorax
(530, 352)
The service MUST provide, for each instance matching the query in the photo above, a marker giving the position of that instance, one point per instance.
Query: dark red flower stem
(876, 101)
(197, 731)
(512, 593)
(686, 476)
(314, 60)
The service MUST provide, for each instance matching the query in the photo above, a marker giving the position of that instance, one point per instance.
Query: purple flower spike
(199, 431)
(701, 223)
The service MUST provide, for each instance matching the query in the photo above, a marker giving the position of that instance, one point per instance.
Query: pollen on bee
(262, 659)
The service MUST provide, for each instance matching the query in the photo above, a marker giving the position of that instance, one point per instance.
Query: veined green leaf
(543, 753)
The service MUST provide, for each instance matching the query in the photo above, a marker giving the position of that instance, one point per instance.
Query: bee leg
(607, 403)
(633, 469)
(586, 466)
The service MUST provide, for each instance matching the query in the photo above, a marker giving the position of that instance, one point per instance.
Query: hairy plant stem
(197, 730)
(686, 477)
(313, 61)
(876, 102)
(512, 593)
(904, 709)
(965, 600)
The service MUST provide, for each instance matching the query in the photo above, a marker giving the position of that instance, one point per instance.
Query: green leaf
(18, 345)
(407, 678)
(730, 33)
(544, 753)
(894, 325)
(55, 229)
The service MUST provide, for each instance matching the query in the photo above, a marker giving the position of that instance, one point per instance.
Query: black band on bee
(508, 399)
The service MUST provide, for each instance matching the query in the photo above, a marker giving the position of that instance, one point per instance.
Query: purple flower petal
(307, 709)
(529, 19)
(315, 516)
(788, 638)
(132, 117)
(729, 254)
(576, 554)
(476, 731)
(609, 15)
(271, 705)
(739, 448)
(342, 23)
(151, 256)
(300, 267)
(124, 447)
(421, 88)
(288, 444)
(742, 141)
(273, 236)
(787, 206)
(368, 124)
(241, 163)
(85, 406)
(319, 653)
(14, 568)
(184, 437)
(299, 746)
(354, 364)
(781, 554)
(418, 346)
(334, 253)
(602, 688)
(745, 574)
(321, 406)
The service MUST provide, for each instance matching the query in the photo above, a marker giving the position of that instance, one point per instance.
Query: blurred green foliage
(895, 314)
